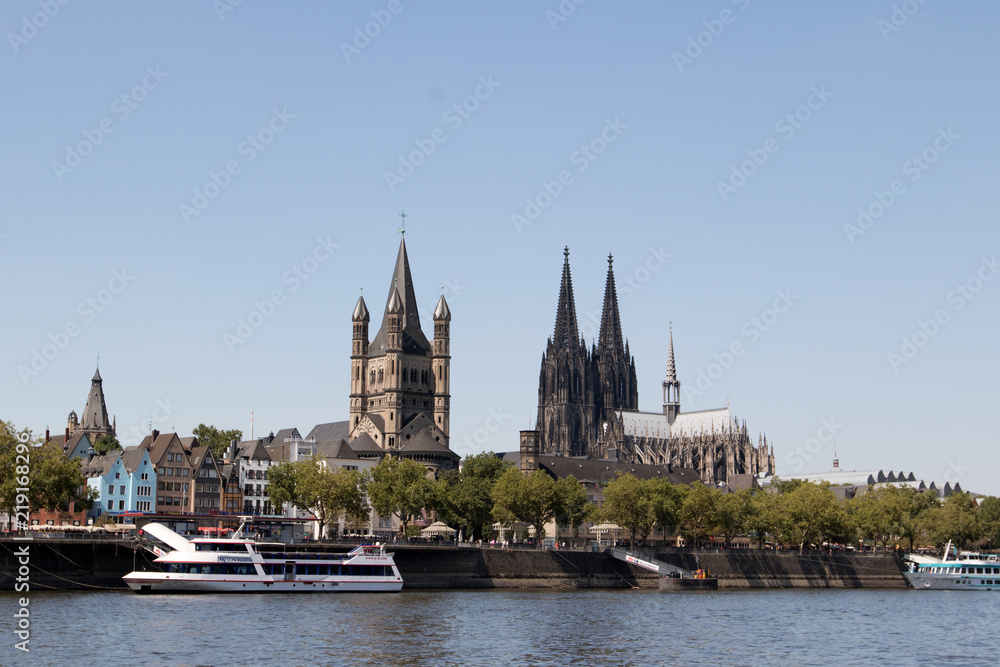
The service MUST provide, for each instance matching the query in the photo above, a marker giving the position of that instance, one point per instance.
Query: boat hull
(154, 582)
(924, 581)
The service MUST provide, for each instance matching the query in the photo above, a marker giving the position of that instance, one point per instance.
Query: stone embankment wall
(75, 564)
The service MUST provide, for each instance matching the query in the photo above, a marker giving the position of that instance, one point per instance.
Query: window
(211, 472)
(202, 473)
(121, 490)
(197, 488)
(170, 456)
(111, 505)
(197, 502)
(185, 487)
(161, 471)
(144, 476)
(121, 505)
(170, 472)
(184, 473)
(111, 489)
(118, 475)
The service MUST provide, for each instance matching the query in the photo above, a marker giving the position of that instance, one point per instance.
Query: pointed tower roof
(610, 342)
(95, 414)
(361, 311)
(395, 304)
(442, 312)
(97, 376)
(566, 333)
(414, 341)
(671, 368)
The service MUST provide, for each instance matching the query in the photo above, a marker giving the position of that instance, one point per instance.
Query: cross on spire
(402, 229)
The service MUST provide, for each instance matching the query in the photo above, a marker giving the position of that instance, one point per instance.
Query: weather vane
(402, 230)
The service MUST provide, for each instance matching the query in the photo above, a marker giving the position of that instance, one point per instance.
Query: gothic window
(380, 376)
(373, 376)
(413, 375)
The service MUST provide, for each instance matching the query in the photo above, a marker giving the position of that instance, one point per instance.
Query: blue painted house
(125, 481)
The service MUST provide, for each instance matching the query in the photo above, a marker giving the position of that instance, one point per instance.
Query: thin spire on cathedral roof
(671, 367)
(610, 338)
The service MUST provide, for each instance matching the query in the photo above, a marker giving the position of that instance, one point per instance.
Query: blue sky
(720, 150)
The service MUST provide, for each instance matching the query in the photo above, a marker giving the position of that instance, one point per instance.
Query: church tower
(671, 386)
(395, 392)
(566, 383)
(618, 389)
(94, 420)
(359, 361)
(441, 364)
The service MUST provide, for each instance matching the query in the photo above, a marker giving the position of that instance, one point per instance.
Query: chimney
(47, 438)
(67, 434)
(156, 434)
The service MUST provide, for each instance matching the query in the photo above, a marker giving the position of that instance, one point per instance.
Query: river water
(501, 627)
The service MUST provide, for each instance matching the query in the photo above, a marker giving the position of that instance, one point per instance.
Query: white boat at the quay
(966, 571)
(241, 565)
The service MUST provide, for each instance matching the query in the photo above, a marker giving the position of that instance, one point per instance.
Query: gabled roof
(99, 465)
(413, 339)
(252, 449)
(286, 433)
(189, 443)
(132, 458)
(424, 443)
(157, 448)
(198, 454)
(330, 431)
(364, 443)
(337, 449)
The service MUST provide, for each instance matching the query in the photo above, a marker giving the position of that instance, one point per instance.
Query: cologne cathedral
(588, 404)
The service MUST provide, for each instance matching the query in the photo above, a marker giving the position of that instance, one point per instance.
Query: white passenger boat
(966, 571)
(240, 565)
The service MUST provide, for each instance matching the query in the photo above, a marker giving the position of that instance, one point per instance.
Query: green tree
(53, 481)
(399, 487)
(989, 519)
(699, 510)
(877, 514)
(763, 515)
(106, 443)
(732, 513)
(572, 507)
(464, 499)
(957, 520)
(313, 487)
(811, 513)
(630, 503)
(528, 498)
(216, 440)
(667, 502)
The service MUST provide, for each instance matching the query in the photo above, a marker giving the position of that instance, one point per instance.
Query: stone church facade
(400, 400)
(588, 404)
